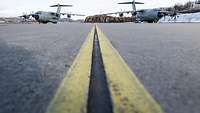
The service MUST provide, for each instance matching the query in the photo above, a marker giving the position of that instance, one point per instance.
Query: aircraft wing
(166, 12)
(25, 16)
(71, 14)
(174, 13)
(76, 14)
(120, 12)
(124, 12)
(190, 11)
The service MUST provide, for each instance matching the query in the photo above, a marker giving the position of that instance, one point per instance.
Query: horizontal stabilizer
(130, 3)
(126, 3)
(139, 3)
(58, 5)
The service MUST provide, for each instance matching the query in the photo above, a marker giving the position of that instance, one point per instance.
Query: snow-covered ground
(192, 17)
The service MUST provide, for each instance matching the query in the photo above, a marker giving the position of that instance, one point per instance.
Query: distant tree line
(182, 7)
(197, 1)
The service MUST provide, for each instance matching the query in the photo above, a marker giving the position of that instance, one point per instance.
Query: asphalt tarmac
(34, 60)
(166, 59)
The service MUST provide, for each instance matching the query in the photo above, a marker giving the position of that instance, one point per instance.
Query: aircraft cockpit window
(39, 12)
(53, 13)
(141, 11)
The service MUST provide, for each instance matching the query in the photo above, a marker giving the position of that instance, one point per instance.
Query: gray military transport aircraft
(53, 17)
(147, 15)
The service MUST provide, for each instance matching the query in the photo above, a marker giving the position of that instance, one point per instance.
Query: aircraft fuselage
(148, 15)
(45, 17)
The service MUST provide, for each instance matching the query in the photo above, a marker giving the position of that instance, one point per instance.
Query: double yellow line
(127, 93)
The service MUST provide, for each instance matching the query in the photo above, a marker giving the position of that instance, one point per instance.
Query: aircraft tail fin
(59, 7)
(133, 4)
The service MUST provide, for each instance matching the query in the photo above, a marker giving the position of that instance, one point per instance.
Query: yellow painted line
(71, 96)
(127, 93)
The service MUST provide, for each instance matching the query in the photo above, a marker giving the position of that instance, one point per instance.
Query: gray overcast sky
(88, 7)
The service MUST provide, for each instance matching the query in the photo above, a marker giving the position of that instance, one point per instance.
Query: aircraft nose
(68, 16)
(121, 15)
(134, 13)
(37, 17)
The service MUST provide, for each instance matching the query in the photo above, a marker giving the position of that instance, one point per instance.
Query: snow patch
(183, 18)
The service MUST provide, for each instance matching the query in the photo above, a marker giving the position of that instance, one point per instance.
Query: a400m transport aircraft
(53, 17)
(147, 15)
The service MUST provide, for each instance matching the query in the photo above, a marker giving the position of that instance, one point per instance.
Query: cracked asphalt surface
(166, 59)
(33, 61)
